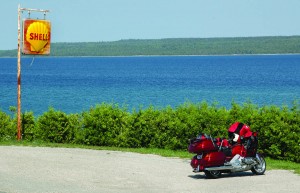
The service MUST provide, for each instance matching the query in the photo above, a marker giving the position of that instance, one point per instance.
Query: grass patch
(271, 163)
(284, 165)
(155, 151)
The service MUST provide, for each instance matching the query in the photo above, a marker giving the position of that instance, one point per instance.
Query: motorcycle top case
(202, 143)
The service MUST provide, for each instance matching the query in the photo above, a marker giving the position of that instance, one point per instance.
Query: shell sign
(36, 37)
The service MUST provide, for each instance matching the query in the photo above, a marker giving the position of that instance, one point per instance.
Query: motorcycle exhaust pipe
(219, 168)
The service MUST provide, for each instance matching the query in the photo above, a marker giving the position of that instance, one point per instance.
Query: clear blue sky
(111, 20)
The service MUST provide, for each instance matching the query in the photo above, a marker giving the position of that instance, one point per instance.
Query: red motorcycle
(216, 156)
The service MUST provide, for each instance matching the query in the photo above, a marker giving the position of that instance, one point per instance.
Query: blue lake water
(74, 84)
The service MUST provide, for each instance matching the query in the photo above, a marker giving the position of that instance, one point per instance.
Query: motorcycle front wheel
(212, 174)
(260, 168)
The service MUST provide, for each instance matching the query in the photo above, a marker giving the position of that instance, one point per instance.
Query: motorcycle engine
(248, 160)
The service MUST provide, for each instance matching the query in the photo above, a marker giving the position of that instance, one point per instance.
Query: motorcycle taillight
(194, 162)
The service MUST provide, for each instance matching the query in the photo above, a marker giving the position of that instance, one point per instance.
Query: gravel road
(63, 170)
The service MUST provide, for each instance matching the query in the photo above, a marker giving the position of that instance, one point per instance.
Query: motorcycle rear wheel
(212, 174)
(259, 169)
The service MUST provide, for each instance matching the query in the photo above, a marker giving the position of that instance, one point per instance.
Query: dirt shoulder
(63, 170)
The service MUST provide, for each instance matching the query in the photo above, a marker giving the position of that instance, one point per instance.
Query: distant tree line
(176, 46)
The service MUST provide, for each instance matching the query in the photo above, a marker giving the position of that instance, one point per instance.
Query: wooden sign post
(36, 41)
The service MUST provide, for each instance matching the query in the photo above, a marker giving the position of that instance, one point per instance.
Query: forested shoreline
(176, 46)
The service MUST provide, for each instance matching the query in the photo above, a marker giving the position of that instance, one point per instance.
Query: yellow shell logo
(38, 36)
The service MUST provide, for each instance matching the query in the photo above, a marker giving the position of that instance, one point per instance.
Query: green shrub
(143, 128)
(28, 126)
(7, 131)
(167, 127)
(55, 126)
(76, 127)
(279, 132)
(105, 125)
(193, 119)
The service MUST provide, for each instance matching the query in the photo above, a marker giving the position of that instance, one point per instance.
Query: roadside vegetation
(163, 131)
